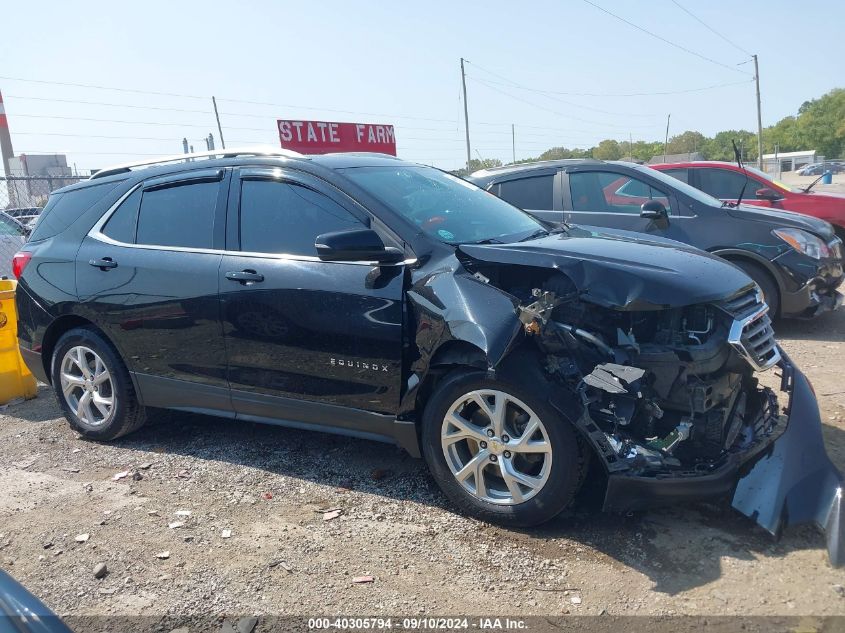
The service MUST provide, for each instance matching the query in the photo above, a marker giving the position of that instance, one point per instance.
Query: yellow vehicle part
(16, 381)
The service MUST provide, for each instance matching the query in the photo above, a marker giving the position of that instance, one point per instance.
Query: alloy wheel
(87, 386)
(496, 447)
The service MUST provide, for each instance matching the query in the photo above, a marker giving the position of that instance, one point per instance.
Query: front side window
(179, 215)
(286, 218)
(726, 184)
(536, 192)
(608, 192)
(443, 206)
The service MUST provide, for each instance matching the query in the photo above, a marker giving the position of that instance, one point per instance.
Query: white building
(789, 161)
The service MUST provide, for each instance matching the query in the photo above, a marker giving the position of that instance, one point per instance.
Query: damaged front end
(673, 403)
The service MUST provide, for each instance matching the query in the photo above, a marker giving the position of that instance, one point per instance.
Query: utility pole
(666, 141)
(219, 128)
(513, 141)
(759, 117)
(466, 111)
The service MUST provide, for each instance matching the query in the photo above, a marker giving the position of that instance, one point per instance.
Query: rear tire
(525, 483)
(93, 387)
(771, 293)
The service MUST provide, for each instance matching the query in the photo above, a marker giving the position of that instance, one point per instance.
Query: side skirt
(180, 395)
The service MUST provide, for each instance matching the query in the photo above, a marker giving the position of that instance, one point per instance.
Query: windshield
(443, 206)
(777, 183)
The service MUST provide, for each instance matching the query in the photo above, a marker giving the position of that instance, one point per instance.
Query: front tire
(769, 287)
(93, 387)
(499, 451)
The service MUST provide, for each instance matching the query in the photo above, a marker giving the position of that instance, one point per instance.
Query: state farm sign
(322, 137)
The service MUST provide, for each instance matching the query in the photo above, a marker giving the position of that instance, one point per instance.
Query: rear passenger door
(538, 194)
(147, 275)
(301, 332)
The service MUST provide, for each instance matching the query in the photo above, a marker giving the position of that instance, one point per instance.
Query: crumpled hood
(779, 218)
(625, 274)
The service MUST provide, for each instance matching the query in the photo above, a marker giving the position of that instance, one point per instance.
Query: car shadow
(678, 548)
(829, 326)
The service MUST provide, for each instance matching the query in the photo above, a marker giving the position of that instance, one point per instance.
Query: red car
(725, 180)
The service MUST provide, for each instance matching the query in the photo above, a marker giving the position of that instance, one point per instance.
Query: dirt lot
(270, 487)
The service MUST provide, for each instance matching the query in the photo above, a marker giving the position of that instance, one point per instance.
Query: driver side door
(301, 332)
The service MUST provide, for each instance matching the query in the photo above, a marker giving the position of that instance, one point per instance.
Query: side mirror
(356, 245)
(767, 194)
(653, 210)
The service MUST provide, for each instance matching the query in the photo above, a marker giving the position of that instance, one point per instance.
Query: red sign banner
(322, 137)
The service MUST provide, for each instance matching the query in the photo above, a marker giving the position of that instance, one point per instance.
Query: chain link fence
(21, 200)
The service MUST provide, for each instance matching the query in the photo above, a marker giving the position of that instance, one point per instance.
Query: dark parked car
(22, 612)
(796, 260)
(364, 295)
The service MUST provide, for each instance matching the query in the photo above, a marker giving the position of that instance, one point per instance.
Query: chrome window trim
(96, 233)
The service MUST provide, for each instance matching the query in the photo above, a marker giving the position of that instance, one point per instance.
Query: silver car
(13, 235)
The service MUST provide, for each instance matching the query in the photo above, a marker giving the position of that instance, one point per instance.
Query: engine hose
(590, 338)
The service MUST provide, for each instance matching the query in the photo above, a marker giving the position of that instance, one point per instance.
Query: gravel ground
(217, 517)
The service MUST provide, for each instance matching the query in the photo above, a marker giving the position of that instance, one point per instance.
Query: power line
(617, 94)
(710, 28)
(560, 114)
(95, 87)
(548, 94)
(111, 105)
(663, 39)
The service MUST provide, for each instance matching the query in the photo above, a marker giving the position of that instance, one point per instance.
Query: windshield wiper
(487, 240)
(812, 184)
(535, 235)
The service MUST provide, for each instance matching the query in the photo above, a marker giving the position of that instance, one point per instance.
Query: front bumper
(809, 287)
(787, 479)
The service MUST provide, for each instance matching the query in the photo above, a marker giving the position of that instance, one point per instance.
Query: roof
(696, 163)
(676, 158)
(806, 152)
(536, 165)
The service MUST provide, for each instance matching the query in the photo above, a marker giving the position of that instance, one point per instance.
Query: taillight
(19, 262)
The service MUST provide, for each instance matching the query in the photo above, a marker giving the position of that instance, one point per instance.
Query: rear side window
(285, 218)
(121, 225)
(680, 174)
(64, 209)
(536, 192)
(180, 215)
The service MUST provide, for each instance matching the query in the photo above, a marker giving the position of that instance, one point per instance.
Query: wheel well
(54, 333)
(749, 260)
(449, 357)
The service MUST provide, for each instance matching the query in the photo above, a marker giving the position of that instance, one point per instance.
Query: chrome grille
(836, 248)
(751, 333)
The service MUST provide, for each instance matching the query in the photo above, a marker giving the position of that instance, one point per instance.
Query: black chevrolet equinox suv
(364, 295)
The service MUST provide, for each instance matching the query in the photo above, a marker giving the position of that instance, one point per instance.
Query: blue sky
(398, 62)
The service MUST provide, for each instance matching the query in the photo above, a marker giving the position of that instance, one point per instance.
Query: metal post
(466, 112)
(666, 140)
(759, 117)
(219, 128)
(513, 141)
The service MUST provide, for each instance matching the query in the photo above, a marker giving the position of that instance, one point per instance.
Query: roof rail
(260, 150)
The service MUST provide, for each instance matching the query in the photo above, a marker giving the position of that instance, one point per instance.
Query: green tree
(477, 163)
(721, 148)
(686, 143)
(821, 124)
(607, 149)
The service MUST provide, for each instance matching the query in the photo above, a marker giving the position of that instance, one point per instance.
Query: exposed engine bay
(663, 391)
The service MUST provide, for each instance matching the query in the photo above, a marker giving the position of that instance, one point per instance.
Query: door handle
(103, 264)
(245, 276)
